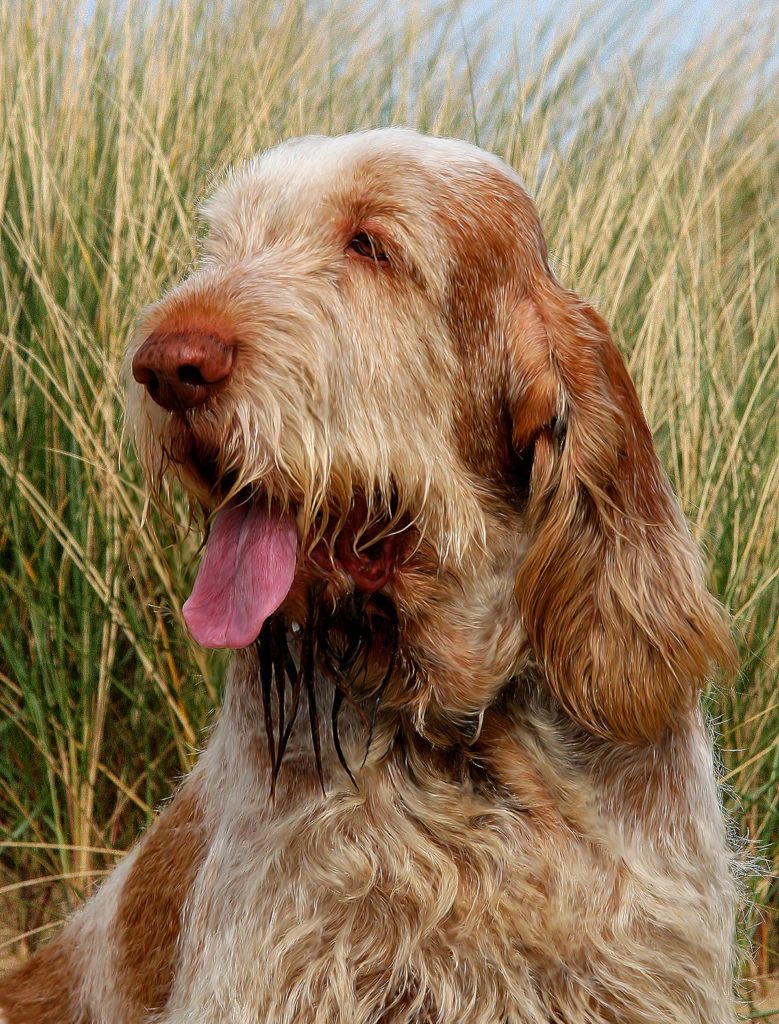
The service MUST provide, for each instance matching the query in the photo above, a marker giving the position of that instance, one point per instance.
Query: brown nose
(181, 370)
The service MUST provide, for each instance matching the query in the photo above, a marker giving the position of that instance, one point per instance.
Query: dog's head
(377, 387)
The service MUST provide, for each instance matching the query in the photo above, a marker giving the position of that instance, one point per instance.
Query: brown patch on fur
(611, 591)
(43, 990)
(534, 392)
(148, 919)
(498, 259)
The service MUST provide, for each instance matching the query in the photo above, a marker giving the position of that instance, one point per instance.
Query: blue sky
(681, 23)
(690, 19)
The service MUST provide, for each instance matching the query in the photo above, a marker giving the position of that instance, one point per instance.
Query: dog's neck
(529, 756)
(319, 734)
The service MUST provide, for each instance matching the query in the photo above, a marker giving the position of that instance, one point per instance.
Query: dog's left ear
(611, 589)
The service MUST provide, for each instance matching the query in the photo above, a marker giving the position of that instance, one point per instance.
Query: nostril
(192, 375)
(144, 374)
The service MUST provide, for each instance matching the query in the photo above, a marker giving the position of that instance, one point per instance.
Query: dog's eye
(366, 245)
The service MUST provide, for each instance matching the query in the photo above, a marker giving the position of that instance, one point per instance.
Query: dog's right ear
(611, 589)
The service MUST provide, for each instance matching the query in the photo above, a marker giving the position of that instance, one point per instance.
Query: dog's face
(374, 381)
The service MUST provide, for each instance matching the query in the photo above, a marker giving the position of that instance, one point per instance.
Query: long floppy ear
(611, 590)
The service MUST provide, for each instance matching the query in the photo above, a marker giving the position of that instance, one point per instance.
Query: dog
(461, 773)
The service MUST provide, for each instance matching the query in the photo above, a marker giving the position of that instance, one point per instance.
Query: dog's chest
(379, 905)
(415, 900)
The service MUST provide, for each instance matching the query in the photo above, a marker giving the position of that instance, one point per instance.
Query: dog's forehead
(302, 180)
(403, 147)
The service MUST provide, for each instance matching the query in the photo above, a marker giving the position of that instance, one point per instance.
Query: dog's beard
(351, 643)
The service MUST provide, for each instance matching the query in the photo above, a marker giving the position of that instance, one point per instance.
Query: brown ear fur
(611, 590)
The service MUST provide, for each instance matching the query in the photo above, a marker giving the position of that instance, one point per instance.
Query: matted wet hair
(350, 642)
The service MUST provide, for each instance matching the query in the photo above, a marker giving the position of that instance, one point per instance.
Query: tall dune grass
(659, 197)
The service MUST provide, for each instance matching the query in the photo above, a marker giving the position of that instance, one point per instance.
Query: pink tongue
(246, 573)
